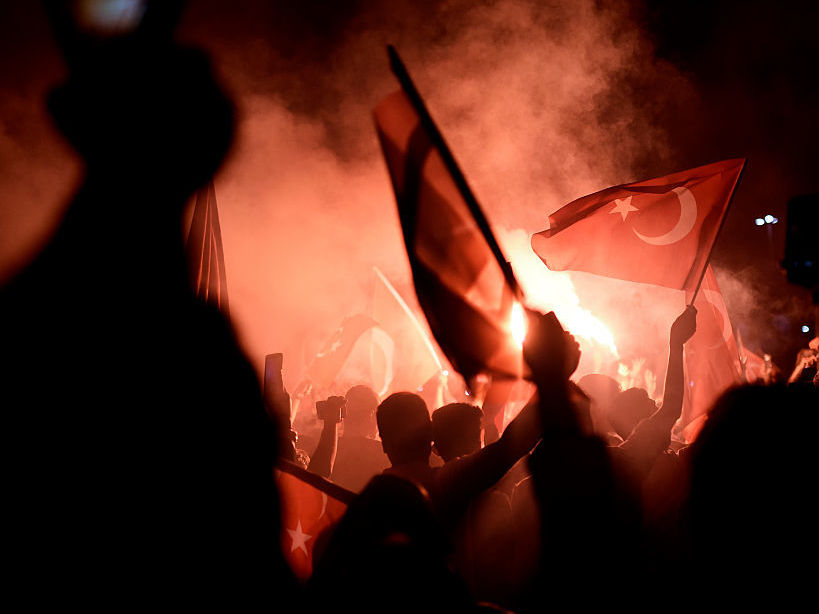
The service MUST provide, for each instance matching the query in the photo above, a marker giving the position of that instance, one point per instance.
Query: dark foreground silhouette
(139, 452)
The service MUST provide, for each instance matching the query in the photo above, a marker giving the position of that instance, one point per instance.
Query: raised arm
(651, 436)
(552, 356)
(330, 412)
(806, 359)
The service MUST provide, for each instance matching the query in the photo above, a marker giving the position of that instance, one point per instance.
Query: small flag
(310, 504)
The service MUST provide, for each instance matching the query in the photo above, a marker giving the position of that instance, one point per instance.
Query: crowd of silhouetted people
(141, 454)
(587, 495)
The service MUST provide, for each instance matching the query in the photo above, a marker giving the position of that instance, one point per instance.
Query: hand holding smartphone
(332, 409)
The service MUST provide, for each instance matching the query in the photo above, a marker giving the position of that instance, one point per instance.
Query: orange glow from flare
(553, 291)
(517, 324)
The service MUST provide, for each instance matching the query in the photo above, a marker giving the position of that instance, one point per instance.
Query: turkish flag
(310, 504)
(458, 278)
(712, 363)
(419, 360)
(335, 351)
(659, 231)
(206, 257)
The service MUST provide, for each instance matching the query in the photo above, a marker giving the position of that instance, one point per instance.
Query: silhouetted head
(140, 108)
(405, 428)
(362, 402)
(754, 468)
(456, 430)
(628, 408)
(601, 389)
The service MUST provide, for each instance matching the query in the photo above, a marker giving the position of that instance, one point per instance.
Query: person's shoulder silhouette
(138, 428)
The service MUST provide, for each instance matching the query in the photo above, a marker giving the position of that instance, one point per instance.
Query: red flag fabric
(309, 505)
(419, 360)
(712, 363)
(659, 231)
(757, 369)
(458, 279)
(335, 351)
(206, 257)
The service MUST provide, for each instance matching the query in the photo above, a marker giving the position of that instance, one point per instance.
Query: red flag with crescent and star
(658, 231)
(712, 359)
(335, 351)
(309, 505)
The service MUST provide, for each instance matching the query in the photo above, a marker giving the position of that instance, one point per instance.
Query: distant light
(769, 219)
(805, 328)
(466, 392)
(759, 221)
(775, 220)
(109, 17)
(446, 373)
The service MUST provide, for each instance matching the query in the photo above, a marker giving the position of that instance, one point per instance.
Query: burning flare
(549, 290)
(517, 324)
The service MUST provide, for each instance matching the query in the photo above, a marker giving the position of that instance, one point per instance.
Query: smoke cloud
(531, 96)
(541, 102)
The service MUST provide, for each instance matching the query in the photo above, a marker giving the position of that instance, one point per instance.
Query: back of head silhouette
(405, 428)
(628, 408)
(754, 469)
(456, 430)
(362, 402)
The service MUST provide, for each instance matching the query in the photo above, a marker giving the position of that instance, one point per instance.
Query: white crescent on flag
(688, 218)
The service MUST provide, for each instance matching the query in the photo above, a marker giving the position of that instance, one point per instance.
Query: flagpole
(719, 230)
(401, 73)
(408, 312)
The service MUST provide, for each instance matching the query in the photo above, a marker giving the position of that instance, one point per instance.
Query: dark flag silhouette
(206, 257)
(465, 286)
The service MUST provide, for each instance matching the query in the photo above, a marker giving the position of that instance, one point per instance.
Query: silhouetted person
(645, 428)
(387, 554)
(360, 456)
(330, 412)
(352, 459)
(601, 390)
(753, 522)
(143, 456)
(484, 550)
(805, 371)
(581, 507)
(406, 435)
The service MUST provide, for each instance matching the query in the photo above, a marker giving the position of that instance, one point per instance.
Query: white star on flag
(299, 539)
(623, 207)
